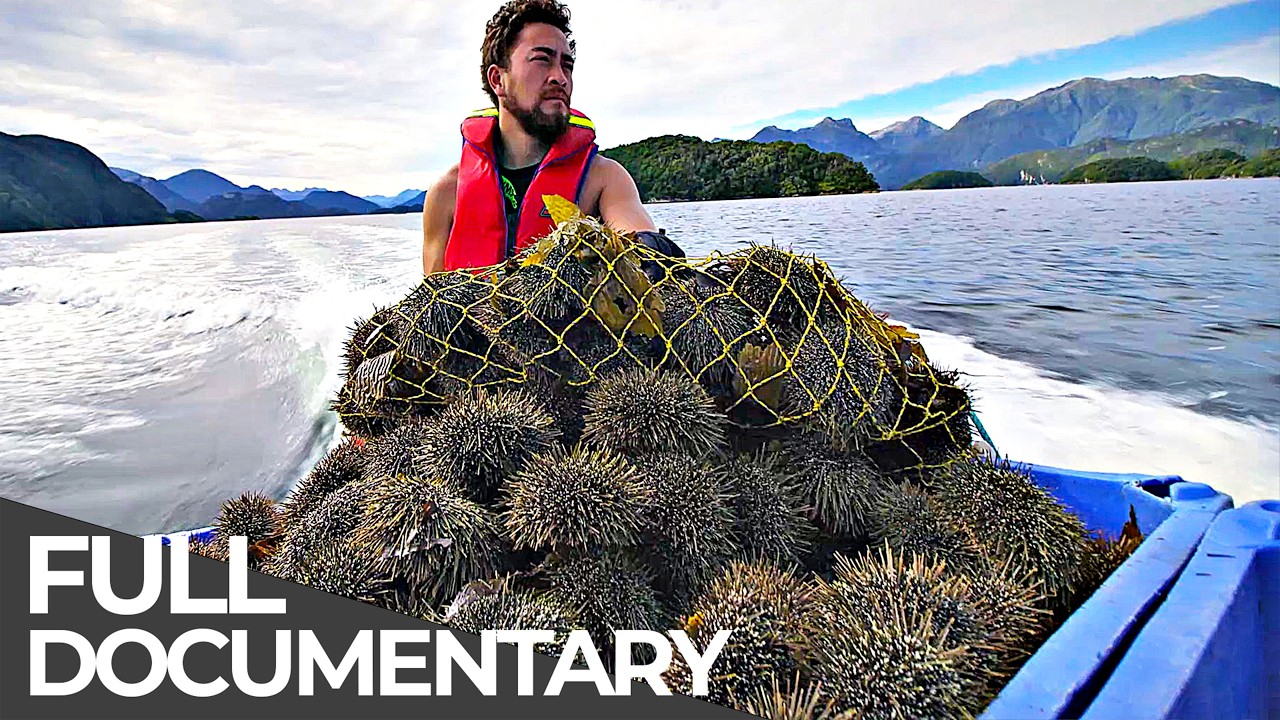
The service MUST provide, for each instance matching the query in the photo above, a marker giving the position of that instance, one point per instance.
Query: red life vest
(479, 236)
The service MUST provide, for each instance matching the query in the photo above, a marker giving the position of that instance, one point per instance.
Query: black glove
(659, 243)
(657, 270)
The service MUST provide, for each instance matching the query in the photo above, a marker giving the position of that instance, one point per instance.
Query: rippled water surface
(148, 373)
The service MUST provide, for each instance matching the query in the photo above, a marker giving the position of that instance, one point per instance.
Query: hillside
(1240, 136)
(172, 201)
(327, 199)
(678, 167)
(1208, 164)
(48, 184)
(200, 185)
(1265, 165)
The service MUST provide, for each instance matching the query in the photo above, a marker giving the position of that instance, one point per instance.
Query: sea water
(148, 373)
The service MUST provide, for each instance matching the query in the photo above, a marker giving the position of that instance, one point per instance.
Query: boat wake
(1034, 417)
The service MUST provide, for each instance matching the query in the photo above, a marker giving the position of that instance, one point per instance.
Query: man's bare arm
(437, 220)
(620, 205)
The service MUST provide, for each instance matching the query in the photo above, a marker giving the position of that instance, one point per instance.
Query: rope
(983, 431)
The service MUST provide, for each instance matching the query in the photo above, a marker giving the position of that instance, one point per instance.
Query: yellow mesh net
(772, 335)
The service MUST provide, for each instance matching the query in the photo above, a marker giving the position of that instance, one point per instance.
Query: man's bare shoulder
(603, 173)
(443, 193)
(610, 170)
(448, 182)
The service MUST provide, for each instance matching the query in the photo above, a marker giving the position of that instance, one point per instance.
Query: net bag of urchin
(771, 335)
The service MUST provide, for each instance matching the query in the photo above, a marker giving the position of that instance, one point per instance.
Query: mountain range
(1069, 115)
(214, 197)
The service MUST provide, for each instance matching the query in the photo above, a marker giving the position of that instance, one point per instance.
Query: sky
(367, 97)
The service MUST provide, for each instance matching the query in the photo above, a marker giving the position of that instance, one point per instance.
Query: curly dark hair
(500, 34)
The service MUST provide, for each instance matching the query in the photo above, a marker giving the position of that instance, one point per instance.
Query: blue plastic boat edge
(204, 533)
(1068, 669)
(1214, 644)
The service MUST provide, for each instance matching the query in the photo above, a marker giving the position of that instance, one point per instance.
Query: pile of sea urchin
(593, 437)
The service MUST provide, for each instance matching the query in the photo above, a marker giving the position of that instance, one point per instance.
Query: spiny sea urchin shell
(641, 412)
(549, 293)
(705, 325)
(688, 521)
(1008, 602)
(766, 611)
(1012, 517)
(498, 605)
(777, 284)
(609, 592)
(576, 500)
(989, 616)
(839, 483)
(426, 536)
(588, 351)
(1100, 557)
(252, 515)
(396, 451)
(337, 570)
(769, 509)
(562, 401)
(365, 402)
(793, 700)
(203, 546)
(895, 667)
(329, 523)
(840, 371)
(447, 309)
(343, 464)
(449, 345)
(483, 438)
(369, 338)
(911, 521)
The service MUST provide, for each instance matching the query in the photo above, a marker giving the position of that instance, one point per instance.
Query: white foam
(1040, 419)
(193, 311)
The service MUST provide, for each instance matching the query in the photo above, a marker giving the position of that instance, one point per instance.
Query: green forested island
(679, 167)
(948, 180)
(1131, 169)
(1225, 163)
(1205, 165)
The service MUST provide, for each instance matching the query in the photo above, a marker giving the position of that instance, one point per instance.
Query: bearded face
(546, 126)
(537, 86)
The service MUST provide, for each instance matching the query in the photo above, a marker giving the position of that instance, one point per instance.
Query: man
(489, 205)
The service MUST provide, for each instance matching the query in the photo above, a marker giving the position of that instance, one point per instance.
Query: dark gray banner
(63, 650)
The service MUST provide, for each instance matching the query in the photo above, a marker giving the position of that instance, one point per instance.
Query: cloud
(1256, 60)
(367, 96)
